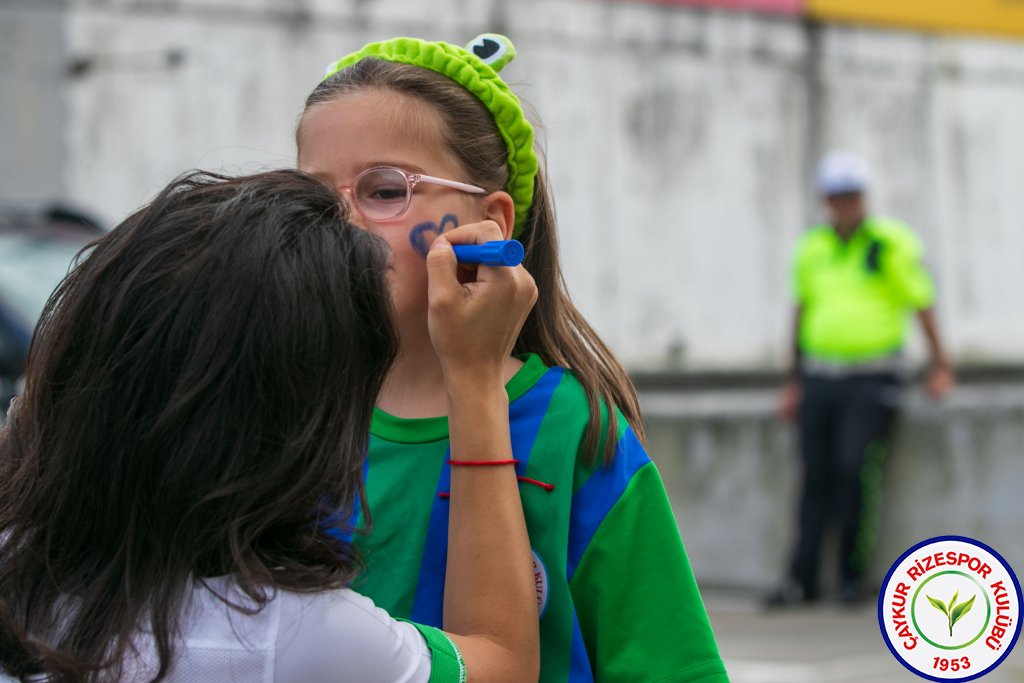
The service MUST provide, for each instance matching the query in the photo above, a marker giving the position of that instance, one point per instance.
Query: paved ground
(823, 644)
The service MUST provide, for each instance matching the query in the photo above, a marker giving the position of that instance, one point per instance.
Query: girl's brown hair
(195, 406)
(555, 330)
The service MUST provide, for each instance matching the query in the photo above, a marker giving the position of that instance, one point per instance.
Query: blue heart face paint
(422, 234)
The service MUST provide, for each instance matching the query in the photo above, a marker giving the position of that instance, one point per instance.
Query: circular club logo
(540, 582)
(949, 609)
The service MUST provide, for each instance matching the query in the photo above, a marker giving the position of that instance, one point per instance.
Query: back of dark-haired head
(199, 393)
(555, 328)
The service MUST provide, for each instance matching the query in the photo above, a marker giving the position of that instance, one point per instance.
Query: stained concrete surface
(821, 644)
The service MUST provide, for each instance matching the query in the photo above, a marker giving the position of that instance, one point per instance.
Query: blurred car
(36, 251)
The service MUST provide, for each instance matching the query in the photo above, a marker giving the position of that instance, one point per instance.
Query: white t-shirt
(330, 637)
(336, 636)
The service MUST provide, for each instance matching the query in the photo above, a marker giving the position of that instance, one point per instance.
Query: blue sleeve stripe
(525, 416)
(598, 495)
(579, 661)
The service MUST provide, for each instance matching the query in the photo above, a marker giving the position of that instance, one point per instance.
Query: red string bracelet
(535, 482)
(444, 495)
(481, 463)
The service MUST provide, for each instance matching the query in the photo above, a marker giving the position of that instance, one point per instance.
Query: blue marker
(496, 253)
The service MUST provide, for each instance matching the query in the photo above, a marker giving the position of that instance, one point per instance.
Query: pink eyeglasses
(383, 193)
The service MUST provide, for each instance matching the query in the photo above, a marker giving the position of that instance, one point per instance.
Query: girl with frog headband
(423, 137)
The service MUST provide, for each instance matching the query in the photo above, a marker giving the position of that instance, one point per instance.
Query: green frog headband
(475, 68)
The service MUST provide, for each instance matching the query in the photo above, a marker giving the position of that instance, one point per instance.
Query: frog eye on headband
(492, 49)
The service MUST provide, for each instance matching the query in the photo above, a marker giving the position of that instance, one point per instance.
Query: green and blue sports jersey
(617, 597)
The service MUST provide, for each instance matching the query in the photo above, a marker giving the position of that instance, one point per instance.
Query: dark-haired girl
(198, 402)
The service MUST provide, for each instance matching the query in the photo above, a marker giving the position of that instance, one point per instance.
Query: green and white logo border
(896, 605)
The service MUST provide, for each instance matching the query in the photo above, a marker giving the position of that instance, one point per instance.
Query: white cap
(842, 172)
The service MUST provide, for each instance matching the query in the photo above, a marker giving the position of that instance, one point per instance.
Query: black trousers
(846, 427)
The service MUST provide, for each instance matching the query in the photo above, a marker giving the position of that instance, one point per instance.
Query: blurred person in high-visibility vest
(857, 281)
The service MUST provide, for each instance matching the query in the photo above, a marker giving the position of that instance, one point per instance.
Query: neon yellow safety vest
(857, 295)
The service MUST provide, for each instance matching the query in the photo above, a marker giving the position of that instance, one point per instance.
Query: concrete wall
(732, 474)
(680, 142)
(33, 107)
(680, 146)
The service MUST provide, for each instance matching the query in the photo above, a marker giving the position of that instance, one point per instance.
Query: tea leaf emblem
(953, 612)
